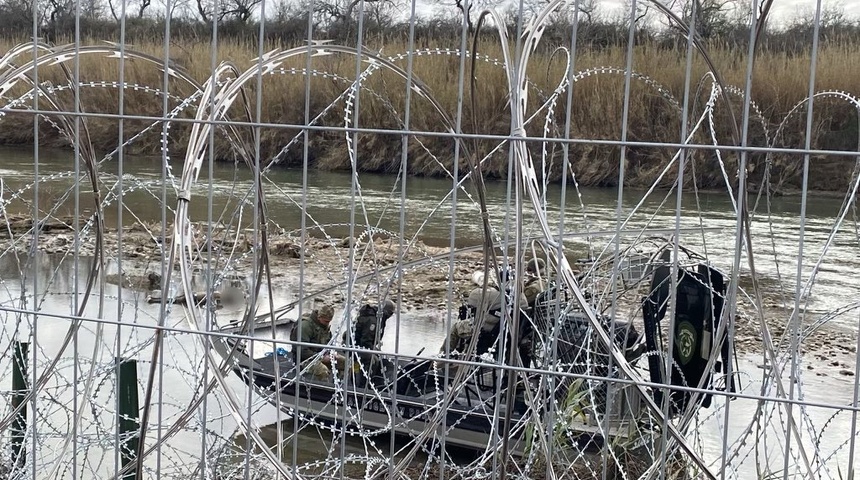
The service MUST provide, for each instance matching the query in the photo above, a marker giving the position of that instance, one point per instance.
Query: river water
(422, 208)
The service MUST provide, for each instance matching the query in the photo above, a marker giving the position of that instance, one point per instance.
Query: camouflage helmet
(326, 311)
(474, 299)
(535, 265)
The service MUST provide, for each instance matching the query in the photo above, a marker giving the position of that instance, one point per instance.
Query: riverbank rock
(135, 281)
(285, 248)
(21, 224)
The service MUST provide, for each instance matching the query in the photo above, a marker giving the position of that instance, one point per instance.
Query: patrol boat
(425, 398)
(470, 404)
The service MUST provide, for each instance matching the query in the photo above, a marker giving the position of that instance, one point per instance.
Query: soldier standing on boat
(369, 327)
(315, 329)
(462, 331)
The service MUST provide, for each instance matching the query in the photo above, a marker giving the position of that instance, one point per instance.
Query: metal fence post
(128, 413)
(19, 388)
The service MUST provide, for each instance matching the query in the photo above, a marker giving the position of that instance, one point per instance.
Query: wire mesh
(358, 240)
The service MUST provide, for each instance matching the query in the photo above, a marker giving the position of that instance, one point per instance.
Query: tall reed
(780, 81)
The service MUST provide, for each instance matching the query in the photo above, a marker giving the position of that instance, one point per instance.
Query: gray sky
(782, 12)
(782, 9)
(791, 7)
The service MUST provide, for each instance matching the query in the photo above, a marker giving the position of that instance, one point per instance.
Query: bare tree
(241, 10)
(58, 14)
(469, 9)
(832, 14)
(380, 13)
(116, 10)
(205, 10)
(711, 18)
(342, 12)
(236, 10)
(176, 8)
(113, 11)
(16, 15)
(582, 11)
(92, 9)
(638, 18)
(741, 14)
(142, 6)
(284, 11)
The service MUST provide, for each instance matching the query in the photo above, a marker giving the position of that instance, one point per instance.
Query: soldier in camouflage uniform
(463, 330)
(315, 329)
(536, 279)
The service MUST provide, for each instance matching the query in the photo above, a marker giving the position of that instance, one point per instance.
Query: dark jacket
(368, 327)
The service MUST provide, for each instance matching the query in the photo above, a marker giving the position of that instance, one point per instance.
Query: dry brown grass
(779, 82)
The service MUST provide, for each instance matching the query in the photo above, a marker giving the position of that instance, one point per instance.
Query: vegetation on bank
(780, 82)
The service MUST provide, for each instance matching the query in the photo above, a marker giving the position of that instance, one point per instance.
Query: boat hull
(471, 417)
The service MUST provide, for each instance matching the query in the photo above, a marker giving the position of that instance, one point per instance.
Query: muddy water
(55, 279)
(425, 212)
(337, 204)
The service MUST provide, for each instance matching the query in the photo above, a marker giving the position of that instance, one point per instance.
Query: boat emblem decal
(686, 341)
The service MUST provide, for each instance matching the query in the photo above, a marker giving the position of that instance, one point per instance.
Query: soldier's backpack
(367, 323)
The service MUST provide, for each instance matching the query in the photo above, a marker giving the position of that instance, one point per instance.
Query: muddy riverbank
(323, 263)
